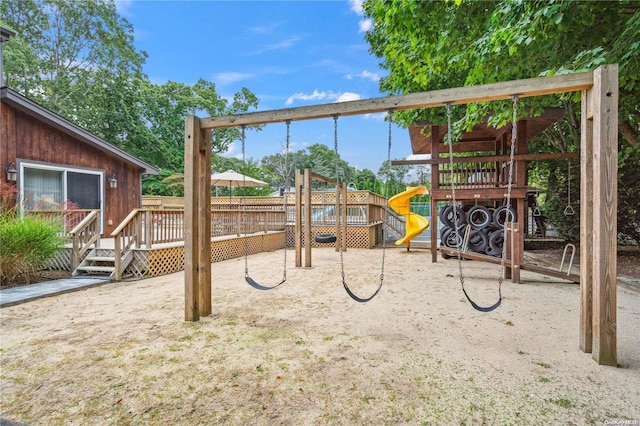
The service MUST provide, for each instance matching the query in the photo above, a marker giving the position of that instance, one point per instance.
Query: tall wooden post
(605, 207)
(513, 252)
(204, 219)
(298, 219)
(307, 218)
(586, 222)
(520, 180)
(345, 204)
(435, 184)
(193, 159)
(338, 217)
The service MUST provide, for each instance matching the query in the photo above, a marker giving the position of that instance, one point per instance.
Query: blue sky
(289, 53)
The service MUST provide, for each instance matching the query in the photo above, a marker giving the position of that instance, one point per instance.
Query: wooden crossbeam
(462, 95)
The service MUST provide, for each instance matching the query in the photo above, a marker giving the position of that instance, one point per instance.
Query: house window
(49, 187)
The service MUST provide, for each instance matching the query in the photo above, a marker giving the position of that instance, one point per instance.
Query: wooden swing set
(598, 171)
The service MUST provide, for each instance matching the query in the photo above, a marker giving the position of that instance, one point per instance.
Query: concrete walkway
(25, 293)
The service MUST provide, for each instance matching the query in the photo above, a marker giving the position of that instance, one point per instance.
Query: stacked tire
(486, 228)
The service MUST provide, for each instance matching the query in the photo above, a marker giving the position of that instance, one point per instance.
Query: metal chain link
(509, 217)
(453, 191)
(386, 210)
(335, 150)
(244, 209)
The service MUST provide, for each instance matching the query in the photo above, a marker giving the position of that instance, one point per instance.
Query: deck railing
(158, 224)
(149, 227)
(85, 236)
(68, 218)
(476, 174)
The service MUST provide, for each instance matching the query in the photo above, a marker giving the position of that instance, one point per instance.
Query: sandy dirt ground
(306, 354)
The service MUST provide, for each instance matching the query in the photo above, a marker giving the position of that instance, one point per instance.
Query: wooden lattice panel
(357, 197)
(360, 237)
(164, 261)
(272, 242)
(241, 202)
(291, 236)
(102, 252)
(139, 266)
(61, 261)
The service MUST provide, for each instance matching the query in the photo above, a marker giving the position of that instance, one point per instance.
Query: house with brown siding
(60, 165)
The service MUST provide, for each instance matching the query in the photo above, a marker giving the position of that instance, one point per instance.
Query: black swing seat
(360, 299)
(482, 308)
(257, 286)
(325, 238)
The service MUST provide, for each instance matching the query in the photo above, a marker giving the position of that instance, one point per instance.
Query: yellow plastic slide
(415, 223)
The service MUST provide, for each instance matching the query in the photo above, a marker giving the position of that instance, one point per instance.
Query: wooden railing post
(75, 256)
(117, 252)
(148, 228)
(298, 219)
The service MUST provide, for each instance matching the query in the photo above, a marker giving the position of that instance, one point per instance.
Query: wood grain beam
(605, 190)
(462, 95)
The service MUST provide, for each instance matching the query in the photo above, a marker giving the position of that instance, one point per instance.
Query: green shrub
(26, 244)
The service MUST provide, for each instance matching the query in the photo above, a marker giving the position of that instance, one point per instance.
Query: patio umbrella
(233, 178)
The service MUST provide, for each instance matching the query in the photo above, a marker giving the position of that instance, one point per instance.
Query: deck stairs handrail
(128, 235)
(396, 223)
(85, 236)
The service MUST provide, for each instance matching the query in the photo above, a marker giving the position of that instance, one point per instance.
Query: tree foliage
(78, 59)
(429, 45)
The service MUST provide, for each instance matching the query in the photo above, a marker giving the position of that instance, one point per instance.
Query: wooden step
(100, 259)
(97, 268)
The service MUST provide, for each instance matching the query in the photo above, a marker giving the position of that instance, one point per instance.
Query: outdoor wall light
(12, 173)
(113, 182)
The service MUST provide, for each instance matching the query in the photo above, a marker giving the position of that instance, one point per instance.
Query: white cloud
(365, 75)
(356, 6)
(316, 95)
(232, 150)
(224, 78)
(379, 116)
(348, 96)
(364, 25)
(320, 96)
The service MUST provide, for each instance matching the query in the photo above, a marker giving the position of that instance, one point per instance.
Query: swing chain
(244, 208)
(335, 150)
(453, 189)
(509, 217)
(386, 210)
(568, 182)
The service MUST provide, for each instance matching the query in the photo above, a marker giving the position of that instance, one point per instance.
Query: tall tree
(430, 44)
(280, 167)
(365, 180)
(78, 59)
(392, 178)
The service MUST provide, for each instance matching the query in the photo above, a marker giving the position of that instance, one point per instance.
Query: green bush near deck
(26, 244)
